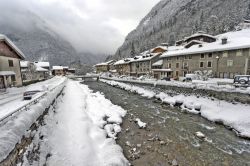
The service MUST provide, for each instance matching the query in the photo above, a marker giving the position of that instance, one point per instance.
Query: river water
(169, 138)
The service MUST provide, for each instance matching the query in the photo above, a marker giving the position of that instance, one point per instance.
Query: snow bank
(13, 131)
(235, 116)
(135, 89)
(82, 131)
(219, 85)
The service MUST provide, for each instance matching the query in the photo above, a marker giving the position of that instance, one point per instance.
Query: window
(190, 56)
(202, 56)
(177, 58)
(177, 65)
(201, 64)
(185, 65)
(210, 55)
(169, 65)
(11, 63)
(239, 53)
(185, 57)
(229, 63)
(209, 64)
(225, 54)
(177, 73)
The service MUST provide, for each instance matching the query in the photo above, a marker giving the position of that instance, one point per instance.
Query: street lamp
(217, 66)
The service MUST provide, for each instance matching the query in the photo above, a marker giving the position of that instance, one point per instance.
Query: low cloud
(96, 26)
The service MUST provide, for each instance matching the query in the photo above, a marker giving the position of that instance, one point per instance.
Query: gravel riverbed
(170, 135)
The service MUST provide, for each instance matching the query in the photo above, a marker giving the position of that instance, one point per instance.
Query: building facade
(10, 70)
(224, 58)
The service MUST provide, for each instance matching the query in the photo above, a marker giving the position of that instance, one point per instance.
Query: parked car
(190, 77)
(31, 91)
(242, 81)
(166, 78)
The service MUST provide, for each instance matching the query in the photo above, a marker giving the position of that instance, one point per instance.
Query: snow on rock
(13, 131)
(143, 92)
(77, 133)
(141, 124)
(235, 116)
(200, 135)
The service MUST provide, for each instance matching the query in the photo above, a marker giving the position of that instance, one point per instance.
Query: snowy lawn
(234, 115)
(81, 130)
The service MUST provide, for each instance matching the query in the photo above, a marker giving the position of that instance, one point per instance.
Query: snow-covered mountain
(171, 20)
(40, 43)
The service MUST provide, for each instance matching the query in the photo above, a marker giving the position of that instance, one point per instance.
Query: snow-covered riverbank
(218, 85)
(81, 130)
(234, 115)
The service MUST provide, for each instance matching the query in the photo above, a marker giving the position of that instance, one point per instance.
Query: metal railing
(24, 107)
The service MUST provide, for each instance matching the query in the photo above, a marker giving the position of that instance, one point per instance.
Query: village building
(123, 66)
(226, 57)
(58, 71)
(34, 71)
(10, 57)
(71, 70)
(104, 66)
(142, 64)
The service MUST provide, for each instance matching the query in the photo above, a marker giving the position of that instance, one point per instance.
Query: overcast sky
(99, 26)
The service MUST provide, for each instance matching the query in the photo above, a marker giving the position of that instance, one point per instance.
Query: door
(2, 82)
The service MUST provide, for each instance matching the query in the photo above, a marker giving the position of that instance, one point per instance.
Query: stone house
(104, 66)
(33, 71)
(142, 65)
(123, 66)
(10, 57)
(58, 71)
(226, 57)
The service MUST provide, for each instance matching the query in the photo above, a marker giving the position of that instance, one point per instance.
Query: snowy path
(74, 134)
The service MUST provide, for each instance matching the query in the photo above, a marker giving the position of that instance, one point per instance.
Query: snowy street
(13, 99)
(80, 130)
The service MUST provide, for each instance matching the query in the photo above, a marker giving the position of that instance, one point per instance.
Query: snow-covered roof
(42, 64)
(105, 63)
(199, 34)
(158, 63)
(24, 63)
(124, 61)
(57, 68)
(40, 69)
(236, 40)
(162, 47)
(12, 45)
(7, 73)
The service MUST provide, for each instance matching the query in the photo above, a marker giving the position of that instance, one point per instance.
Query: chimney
(224, 40)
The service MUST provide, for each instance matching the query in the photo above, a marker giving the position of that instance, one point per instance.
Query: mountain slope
(171, 20)
(40, 43)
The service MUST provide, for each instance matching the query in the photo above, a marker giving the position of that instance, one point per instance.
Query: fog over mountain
(171, 20)
(69, 31)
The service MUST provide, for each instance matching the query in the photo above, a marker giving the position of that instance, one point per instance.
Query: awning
(7, 73)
